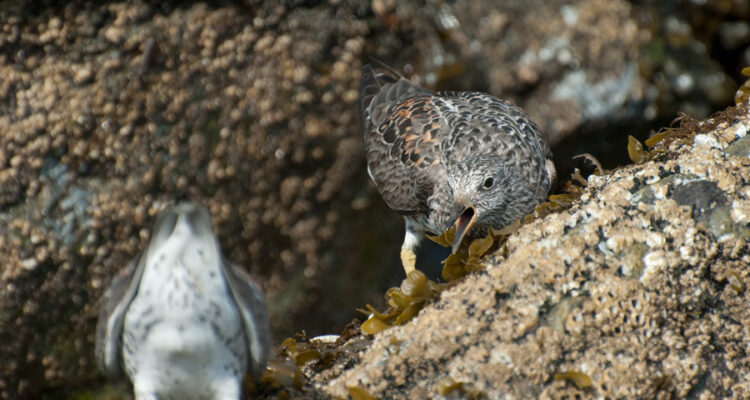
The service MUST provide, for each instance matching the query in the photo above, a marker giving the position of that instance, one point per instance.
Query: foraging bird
(450, 159)
(183, 322)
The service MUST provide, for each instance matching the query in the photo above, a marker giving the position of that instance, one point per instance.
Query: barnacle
(559, 312)
(581, 380)
(631, 259)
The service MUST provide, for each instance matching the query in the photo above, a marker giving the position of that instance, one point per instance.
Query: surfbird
(450, 159)
(181, 321)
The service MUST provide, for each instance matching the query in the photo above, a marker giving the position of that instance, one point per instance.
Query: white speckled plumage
(182, 322)
(463, 159)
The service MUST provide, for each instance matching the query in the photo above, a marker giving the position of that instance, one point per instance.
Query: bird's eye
(488, 183)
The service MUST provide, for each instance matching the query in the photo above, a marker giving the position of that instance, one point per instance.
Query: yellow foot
(408, 260)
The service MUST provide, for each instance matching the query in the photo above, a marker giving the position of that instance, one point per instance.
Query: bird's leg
(408, 248)
(408, 259)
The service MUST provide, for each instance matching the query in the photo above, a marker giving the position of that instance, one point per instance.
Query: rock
(555, 59)
(567, 315)
(110, 111)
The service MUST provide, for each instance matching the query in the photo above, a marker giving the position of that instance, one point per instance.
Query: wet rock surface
(108, 112)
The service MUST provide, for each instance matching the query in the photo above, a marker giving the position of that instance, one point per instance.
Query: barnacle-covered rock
(110, 110)
(622, 295)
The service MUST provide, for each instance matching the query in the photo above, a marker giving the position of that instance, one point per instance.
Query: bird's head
(479, 186)
(181, 224)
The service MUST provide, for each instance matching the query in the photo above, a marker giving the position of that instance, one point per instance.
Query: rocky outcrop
(639, 290)
(110, 111)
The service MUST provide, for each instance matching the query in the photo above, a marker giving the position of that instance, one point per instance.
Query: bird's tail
(377, 90)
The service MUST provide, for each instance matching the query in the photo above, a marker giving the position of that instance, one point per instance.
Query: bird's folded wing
(114, 304)
(254, 313)
(401, 127)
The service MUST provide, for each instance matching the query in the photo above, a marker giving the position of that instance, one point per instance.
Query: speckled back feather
(398, 123)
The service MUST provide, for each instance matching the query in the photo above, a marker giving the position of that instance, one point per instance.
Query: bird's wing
(254, 313)
(402, 127)
(120, 294)
(114, 304)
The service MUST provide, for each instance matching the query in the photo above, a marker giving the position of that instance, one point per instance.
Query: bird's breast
(184, 316)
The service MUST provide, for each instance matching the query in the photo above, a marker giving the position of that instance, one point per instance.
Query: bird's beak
(464, 219)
